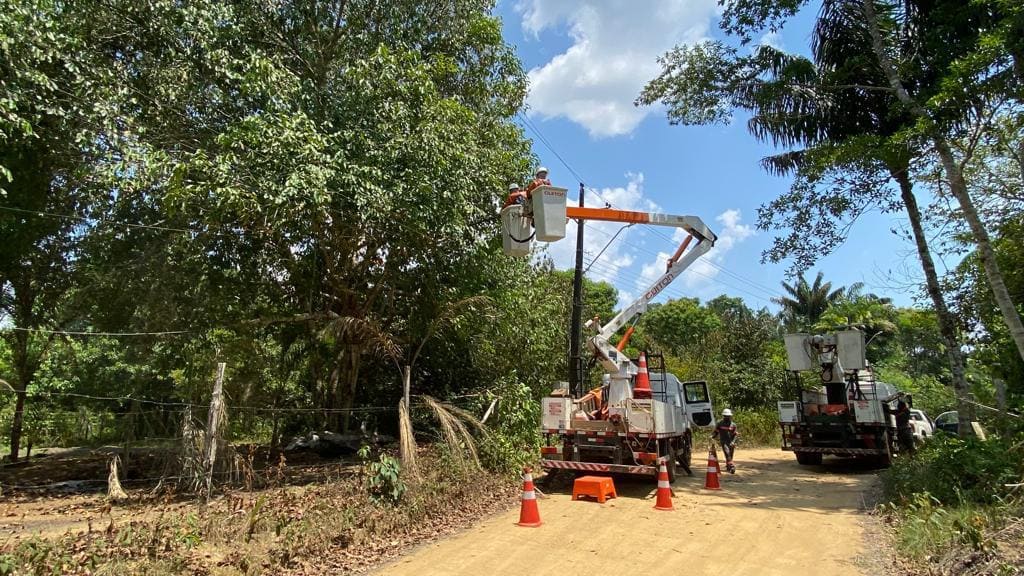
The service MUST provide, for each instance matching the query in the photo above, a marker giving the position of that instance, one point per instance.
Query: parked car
(949, 423)
(921, 425)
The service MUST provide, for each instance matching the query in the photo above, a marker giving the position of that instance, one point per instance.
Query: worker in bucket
(727, 434)
(515, 196)
(540, 179)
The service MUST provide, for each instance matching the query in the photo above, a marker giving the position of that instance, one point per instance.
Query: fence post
(213, 423)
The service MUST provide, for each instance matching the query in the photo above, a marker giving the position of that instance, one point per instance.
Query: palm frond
(454, 432)
(362, 330)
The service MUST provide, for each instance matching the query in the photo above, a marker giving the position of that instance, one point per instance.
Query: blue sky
(587, 61)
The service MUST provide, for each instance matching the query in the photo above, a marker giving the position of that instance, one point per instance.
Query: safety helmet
(726, 412)
(542, 169)
(513, 187)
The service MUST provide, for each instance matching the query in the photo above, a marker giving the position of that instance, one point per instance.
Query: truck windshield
(695, 392)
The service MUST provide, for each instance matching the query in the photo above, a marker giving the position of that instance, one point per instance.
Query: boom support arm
(611, 358)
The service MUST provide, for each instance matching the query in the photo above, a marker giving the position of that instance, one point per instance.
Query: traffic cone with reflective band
(664, 494)
(711, 480)
(642, 389)
(529, 516)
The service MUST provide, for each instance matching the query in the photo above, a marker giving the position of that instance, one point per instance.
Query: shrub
(384, 480)
(954, 470)
(759, 427)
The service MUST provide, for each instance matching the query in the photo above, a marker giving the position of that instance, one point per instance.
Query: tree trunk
(406, 383)
(22, 367)
(351, 367)
(957, 185)
(947, 325)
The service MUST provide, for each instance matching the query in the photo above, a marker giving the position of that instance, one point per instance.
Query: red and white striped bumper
(839, 451)
(595, 467)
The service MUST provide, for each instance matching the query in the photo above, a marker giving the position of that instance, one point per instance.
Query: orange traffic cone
(711, 480)
(529, 516)
(642, 389)
(664, 501)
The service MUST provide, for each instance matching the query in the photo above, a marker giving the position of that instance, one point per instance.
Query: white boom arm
(611, 359)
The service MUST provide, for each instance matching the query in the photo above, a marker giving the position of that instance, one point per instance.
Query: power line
(698, 272)
(103, 220)
(595, 258)
(112, 334)
(549, 146)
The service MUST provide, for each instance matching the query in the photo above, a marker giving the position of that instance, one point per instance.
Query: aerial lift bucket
(549, 212)
(516, 233)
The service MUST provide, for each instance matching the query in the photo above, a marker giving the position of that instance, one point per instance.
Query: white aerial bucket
(516, 236)
(549, 213)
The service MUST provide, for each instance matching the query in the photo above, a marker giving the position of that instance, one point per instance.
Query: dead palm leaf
(453, 430)
(363, 330)
(406, 438)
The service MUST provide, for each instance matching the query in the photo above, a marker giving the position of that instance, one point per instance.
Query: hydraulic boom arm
(611, 359)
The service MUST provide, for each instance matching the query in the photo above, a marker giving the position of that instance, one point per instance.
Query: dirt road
(772, 517)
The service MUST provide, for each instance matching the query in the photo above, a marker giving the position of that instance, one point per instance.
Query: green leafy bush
(384, 480)
(759, 427)
(925, 527)
(954, 470)
(514, 438)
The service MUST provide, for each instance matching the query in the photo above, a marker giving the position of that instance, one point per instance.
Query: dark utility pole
(576, 383)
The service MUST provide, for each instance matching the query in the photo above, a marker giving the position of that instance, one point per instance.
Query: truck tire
(665, 450)
(685, 457)
(885, 460)
(808, 458)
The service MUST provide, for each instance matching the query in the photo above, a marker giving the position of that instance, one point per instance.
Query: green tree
(856, 126)
(806, 303)
(680, 326)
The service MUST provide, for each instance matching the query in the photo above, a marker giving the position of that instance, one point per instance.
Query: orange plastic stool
(595, 486)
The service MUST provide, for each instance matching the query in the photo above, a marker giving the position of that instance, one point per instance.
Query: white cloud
(620, 254)
(613, 54)
(773, 39)
(731, 233)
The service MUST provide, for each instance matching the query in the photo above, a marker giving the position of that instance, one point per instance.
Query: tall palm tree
(806, 303)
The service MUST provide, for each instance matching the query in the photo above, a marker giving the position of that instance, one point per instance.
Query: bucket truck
(641, 413)
(845, 411)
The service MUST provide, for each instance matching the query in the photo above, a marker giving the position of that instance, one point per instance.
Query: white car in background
(921, 425)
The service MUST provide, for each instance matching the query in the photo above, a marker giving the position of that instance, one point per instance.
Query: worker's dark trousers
(727, 452)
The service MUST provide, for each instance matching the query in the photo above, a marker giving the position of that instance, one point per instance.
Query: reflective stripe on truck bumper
(835, 450)
(596, 467)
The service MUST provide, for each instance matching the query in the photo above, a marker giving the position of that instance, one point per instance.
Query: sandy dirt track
(772, 517)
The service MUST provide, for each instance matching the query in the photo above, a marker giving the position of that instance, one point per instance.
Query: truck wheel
(670, 459)
(685, 458)
(808, 458)
(885, 460)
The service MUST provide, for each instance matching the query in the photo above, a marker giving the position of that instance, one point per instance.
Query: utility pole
(576, 328)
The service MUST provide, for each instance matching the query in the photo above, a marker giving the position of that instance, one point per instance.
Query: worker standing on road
(540, 179)
(904, 433)
(727, 434)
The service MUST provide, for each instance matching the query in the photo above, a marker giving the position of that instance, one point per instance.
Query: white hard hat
(542, 169)
(513, 186)
(726, 412)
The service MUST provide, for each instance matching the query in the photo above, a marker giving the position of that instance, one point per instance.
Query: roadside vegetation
(956, 506)
(304, 194)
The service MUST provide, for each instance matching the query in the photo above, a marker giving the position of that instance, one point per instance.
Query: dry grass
(406, 439)
(453, 430)
(331, 527)
(114, 489)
